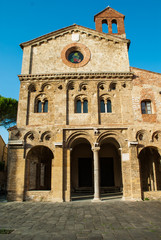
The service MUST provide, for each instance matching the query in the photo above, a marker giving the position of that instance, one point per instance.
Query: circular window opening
(75, 57)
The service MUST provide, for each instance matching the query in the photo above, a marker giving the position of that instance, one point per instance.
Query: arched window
(78, 106)
(39, 106)
(85, 106)
(114, 26)
(109, 109)
(102, 106)
(45, 106)
(146, 107)
(105, 106)
(81, 106)
(104, 26)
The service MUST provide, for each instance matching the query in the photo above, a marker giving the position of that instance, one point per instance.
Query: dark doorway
(107, 172)
(85, 172)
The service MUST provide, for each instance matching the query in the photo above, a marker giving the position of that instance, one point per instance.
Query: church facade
(87, 123)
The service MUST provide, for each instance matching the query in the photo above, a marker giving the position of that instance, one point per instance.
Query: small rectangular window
(146, 107)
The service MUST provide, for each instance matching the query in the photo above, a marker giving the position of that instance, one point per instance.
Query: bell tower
(113, 19)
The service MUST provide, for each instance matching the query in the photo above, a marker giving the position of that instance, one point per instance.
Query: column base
(96, 200)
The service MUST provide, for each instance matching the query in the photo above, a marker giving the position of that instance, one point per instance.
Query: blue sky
(24, 20)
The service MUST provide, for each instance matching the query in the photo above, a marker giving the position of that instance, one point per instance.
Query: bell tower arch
(113, 19)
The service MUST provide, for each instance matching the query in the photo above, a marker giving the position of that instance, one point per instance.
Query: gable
(70, 29)
(101, 53)
(109, 12)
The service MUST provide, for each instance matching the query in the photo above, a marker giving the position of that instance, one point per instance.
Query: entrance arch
(150, 169)
(38, 168)
(81, 168)
(110, 166)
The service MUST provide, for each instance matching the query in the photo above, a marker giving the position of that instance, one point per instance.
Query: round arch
(113, 137)
(150, 168)
(81, 166)
(38, 168)
(76, 136)
(110, 163)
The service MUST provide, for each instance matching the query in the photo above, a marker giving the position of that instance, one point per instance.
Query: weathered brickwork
(90, 125)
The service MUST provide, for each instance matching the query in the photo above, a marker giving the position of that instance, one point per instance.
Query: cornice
(75, 76)
(72, 29)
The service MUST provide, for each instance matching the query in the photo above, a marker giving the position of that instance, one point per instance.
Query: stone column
(96, 174)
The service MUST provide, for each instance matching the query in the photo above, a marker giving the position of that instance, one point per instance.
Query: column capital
(95, 149)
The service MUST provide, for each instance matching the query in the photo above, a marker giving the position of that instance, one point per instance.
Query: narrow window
(85, 106)
(146, 107)
(109, 109)
(39, 106)
(45, 107)
(104, 26)
(78, 106)
(102, 106)
(114, 26)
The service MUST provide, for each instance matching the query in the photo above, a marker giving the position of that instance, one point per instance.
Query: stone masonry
(87, 124)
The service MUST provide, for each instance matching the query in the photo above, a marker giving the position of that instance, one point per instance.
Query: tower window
(114, 26)
(146, 107)
(104, 26)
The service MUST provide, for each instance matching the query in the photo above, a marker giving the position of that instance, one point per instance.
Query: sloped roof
(74, 28)
(109, 11)
(143, 70)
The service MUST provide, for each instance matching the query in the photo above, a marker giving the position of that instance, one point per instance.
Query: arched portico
(110, 166)
(38, 168)
(95, 167)
(81, 168)
(150, 169)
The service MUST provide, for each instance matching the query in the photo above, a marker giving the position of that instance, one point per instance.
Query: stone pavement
(82, 220)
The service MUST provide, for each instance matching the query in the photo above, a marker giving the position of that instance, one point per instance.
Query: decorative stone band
(134, 143)
(16, 142)
(58, 144)
(75, 76)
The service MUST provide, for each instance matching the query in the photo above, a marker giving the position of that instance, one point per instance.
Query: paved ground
(82, 220)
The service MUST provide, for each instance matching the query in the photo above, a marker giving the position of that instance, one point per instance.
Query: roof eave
(72, 27)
